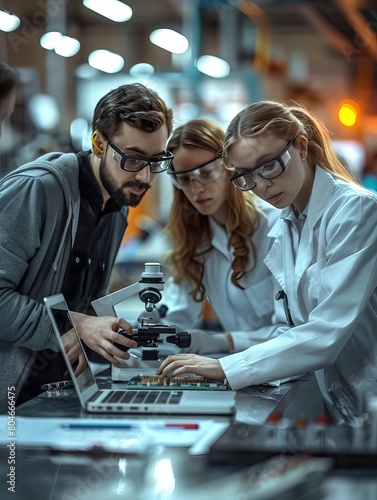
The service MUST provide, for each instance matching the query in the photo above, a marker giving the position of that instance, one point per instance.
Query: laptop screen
(70, 341)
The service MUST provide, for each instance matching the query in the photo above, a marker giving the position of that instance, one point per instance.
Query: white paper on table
(111, 434)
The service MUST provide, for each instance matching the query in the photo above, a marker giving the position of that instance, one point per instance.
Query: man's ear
(97, 143)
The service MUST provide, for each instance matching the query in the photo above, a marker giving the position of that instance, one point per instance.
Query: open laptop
(125, 400)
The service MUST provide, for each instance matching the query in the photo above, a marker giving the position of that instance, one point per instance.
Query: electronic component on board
(189, 382)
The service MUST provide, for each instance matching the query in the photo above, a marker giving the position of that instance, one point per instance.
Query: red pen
(178, 425)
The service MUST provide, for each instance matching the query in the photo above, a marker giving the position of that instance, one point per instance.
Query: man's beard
(116, 193)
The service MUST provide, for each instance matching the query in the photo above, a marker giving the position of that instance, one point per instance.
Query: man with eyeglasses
(63, 217)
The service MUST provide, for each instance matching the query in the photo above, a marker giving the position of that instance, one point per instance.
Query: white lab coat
(247, 313)
(329, 274)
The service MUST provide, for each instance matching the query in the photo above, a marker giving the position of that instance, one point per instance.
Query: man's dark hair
(134, 104)
(9, 79)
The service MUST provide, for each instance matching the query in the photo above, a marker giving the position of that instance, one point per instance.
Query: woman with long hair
(218, 239)
(323, 256)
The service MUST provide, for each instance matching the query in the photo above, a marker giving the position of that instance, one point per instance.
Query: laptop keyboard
(151, 397)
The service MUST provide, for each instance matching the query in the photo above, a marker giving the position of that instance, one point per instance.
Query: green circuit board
(193, 383)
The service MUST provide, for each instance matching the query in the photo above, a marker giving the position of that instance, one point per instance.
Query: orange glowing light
(348, 113)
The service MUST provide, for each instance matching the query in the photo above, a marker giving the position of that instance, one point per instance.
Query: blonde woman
(323, 256)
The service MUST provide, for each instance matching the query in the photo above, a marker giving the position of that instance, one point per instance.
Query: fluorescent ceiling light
(106, 61)
(213, 66)
(44, 111)
(142, 69)
(67, 46)
(63, 45)
(48, 40)
(169, 40)
(112, 9)
(8, 21)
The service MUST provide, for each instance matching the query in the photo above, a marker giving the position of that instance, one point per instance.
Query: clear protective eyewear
(131, 163)
(271, 169)
(207, 172)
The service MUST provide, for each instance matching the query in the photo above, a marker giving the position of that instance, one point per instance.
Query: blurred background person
(10, 81)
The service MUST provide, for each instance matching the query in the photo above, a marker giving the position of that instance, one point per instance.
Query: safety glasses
(271, 169)
(205, 173)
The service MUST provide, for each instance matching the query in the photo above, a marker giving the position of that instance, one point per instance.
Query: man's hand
(191, 363)
(73, 350)
(101, 334)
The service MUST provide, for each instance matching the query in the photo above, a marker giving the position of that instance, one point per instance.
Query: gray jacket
(39, 211)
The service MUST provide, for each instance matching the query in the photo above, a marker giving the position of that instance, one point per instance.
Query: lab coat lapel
(274, 260)
(280, 262)
(219, 238)
(287, 271)
(323, 187)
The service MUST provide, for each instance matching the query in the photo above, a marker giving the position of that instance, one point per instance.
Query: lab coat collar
(218, 239)
(219, 236)
(276, 259)
(323, 187)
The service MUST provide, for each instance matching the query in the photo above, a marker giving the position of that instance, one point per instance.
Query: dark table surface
(171, 472)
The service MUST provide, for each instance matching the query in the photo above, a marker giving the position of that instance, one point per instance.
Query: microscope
(148, 334)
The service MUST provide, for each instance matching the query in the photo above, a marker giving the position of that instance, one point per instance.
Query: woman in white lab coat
(219, 240)
(324, 257)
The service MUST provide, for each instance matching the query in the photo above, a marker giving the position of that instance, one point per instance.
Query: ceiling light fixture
(48, 40)
(44, 111)
(8, 21)
(112, 9)
(212, 66)
(106, 61)
(63, 45)
(170, 40)
(142, 69)
(67, 46)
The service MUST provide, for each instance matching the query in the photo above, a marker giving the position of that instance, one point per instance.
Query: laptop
(124, 400)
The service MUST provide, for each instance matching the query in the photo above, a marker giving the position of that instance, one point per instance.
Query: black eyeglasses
(131, 163)
(245, 181)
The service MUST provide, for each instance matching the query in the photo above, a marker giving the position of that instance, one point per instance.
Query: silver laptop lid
(66, 335)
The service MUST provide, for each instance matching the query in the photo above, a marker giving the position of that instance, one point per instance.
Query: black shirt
(88, 260)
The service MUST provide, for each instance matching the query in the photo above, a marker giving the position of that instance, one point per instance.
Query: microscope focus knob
(184, 339)
(181, 339)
